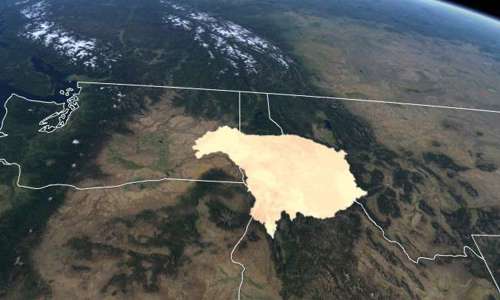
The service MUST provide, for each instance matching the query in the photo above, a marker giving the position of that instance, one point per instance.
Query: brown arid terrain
(444, 173)
(419, 199)
(431, 181)
(169, 240)
(367, 60)
(173, 239)
(430, 174)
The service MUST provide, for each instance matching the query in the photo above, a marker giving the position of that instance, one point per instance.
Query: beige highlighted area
(286, 173)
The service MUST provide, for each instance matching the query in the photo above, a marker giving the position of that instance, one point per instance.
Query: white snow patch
(35, 11)
(178, 22)
(21, 2)
(237, 44)
(78, 50)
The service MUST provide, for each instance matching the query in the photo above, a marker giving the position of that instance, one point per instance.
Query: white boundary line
(484, 259)
(420, 258)
(374, 101)
(242, 266)
(415, 261)
(437, 255)
(3, 134)
(4, 161)
(269, 115)
(239, 112)
(105, 187)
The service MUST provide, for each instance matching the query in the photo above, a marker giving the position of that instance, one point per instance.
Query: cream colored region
(286, 173)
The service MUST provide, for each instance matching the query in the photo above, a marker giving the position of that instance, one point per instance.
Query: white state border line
(394, 242)
(416, 261)
(4, 161)
(437, 255)
(420, 258)
(269, 115)
(464, 255)
(239, 112)
(242, 266)
(293, 95)
(3, 134)
(105, 187)
(235, 247)
(484, 259)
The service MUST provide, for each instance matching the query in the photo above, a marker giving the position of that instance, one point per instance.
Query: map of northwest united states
(286, 173)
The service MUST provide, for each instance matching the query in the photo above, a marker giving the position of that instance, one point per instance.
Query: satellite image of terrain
(249, 149)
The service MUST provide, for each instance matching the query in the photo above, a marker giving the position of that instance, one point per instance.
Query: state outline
(4, 162)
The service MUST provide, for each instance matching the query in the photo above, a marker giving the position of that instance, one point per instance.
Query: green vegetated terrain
(337, 258)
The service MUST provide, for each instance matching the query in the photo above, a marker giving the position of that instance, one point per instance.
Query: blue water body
(57, 80)
(6, 90)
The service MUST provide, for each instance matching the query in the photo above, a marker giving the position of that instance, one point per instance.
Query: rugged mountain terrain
(431, 174)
